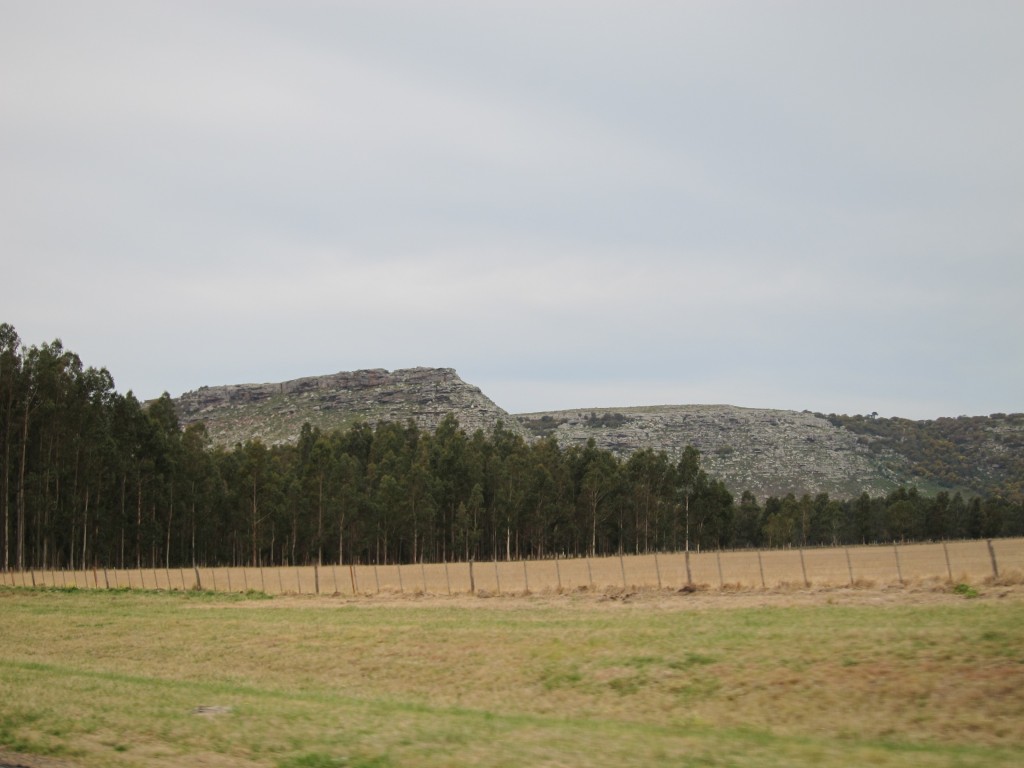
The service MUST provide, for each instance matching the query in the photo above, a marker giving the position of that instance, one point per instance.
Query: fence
(959, 561)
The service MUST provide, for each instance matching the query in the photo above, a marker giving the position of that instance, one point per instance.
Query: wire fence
(878, 565)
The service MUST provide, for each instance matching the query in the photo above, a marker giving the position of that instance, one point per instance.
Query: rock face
(275, 413)
(767, 452)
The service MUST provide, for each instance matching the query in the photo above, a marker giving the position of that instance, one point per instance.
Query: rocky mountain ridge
(766, 451)
(275, 413)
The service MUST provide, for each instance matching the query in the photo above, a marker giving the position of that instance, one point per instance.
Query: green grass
(114, 679)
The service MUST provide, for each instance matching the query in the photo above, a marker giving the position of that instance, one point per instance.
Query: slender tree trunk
(20, 553)
(138, 522)
(170, 519)
(85, 529)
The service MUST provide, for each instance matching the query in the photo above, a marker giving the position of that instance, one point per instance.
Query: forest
(92, 477)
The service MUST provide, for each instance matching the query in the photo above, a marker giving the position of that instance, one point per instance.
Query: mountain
(768, 452)
(275, 413)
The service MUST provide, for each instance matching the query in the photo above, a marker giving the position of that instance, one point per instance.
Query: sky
(798, 205)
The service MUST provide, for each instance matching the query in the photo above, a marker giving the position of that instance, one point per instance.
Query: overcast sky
(792, 205)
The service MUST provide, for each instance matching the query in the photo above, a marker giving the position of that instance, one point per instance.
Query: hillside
(769, 452)
(275, 413)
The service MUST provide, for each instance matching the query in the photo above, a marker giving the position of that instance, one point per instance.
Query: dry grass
(954, 562)
(919, 675)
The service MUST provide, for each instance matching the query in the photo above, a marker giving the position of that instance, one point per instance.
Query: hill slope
(768, 452)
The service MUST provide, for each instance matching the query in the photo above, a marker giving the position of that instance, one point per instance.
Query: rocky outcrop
(768, 452)
(275, 413)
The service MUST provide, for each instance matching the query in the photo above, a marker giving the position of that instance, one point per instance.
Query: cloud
(804, 206)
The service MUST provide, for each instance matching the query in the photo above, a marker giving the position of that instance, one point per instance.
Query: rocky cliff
(275, 413)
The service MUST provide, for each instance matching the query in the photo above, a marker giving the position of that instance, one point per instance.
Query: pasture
(914, 676)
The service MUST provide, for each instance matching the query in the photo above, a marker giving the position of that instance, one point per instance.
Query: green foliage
(91, 478)
(981, 454)
(966, 590)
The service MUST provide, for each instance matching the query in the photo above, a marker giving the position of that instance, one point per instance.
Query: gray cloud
(805, 205)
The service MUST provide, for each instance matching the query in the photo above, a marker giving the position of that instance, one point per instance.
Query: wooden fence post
(657, 569)
(849, 566)
(803, 569)
(721, 579)
(622, 565)
(497, 578)
(447, 578)
(899, 570)
(760, 565)
(401, 584)
(526, 577)
(689, 575)
(992, 554)
(472, 580)
(558, 573)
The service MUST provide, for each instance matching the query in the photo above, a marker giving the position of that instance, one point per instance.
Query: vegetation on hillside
(979, 452)
(92, 477)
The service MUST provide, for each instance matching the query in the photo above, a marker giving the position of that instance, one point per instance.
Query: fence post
(899, 570)
(401, 584)
(849, 566)
(949, 568)
(228, 572)
(526, 577)
(721, 580)
(760, 565)
(590, 574)
(558, 573)
(803, 569)
(992, 554)
(472, 580)
(689, 576)
(447, 579)
(622, 566)
(657, 569)
(334, 573)
(497, 578)
(423, 575)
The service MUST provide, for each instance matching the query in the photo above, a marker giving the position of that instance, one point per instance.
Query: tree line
(93, 477)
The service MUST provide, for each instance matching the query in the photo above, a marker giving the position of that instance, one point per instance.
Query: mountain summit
(275, 413)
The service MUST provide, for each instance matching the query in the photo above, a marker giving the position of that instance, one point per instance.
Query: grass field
(829, 677)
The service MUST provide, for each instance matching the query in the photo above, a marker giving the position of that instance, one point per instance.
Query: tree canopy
(93, 477)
